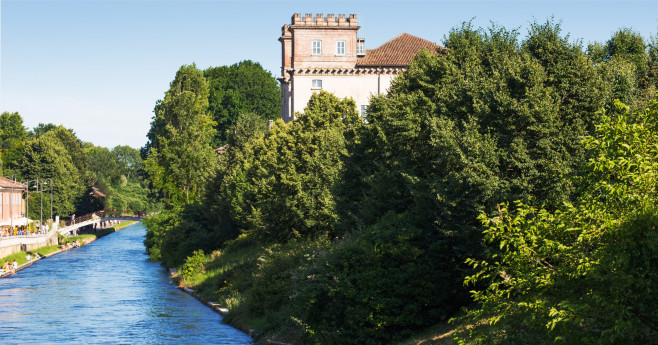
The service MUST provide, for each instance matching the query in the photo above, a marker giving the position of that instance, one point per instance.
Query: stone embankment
(14, 244)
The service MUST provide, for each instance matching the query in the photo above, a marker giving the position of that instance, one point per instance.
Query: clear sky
(99, 66)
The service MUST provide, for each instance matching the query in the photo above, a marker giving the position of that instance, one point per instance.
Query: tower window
(361, 48)
(340, 47)
(316, 48)
(316, 84)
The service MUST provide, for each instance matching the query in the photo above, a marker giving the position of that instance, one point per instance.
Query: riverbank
(48, 251)
(226, 280)
(221, 310)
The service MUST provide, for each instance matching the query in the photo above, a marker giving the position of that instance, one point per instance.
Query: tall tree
(46, 157)
(285, 188)
(586, 273)
(12, 137)
(244, 87)
(128, 159)
(626, 66)
(180, 158)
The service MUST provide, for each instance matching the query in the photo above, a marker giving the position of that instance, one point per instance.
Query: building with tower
(319, 53)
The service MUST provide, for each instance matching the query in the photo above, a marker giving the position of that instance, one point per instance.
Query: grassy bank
(225, 277)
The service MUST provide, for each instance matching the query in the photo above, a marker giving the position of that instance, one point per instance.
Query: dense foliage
(244, 87)
(56, 163)
(284, 188)
(328, 230)
(585, 273)
(180, 158)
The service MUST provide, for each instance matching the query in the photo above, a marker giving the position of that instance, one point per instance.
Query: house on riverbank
(319, 53)
(12, 204)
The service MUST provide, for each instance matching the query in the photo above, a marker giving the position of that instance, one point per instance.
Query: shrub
(194, 264)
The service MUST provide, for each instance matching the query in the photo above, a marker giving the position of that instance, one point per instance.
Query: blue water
(105, 293)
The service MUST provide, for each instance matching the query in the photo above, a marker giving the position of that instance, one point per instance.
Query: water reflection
(105, 293)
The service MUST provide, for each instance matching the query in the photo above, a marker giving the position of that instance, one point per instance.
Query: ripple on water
(105, 293)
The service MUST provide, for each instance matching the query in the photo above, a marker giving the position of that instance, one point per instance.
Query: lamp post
(41, 201)
(11, 204)
(50, 187)
(27, 202)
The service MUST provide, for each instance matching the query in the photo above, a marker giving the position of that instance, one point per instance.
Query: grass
(19, 257)
(227, 276)
(46, 250)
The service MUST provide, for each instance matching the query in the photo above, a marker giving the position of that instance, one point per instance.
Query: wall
(17, 203)
(359, 87)
(14, 244)
(302, 47)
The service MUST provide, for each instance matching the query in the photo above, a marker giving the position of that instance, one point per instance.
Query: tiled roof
(7, 183)
(396, 52)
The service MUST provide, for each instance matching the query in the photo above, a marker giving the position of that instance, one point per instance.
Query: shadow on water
(106, 292)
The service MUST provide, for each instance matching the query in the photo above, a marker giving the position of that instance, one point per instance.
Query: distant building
(326, 54)
(12, 204)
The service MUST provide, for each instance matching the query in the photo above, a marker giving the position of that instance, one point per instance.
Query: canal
(106, 292)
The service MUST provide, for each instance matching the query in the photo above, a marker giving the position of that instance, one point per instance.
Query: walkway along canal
(105, 293)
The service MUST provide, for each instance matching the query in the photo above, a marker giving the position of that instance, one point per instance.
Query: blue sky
(98, 67)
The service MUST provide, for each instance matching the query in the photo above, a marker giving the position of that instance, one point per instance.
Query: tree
(284, 188)
(43, 128)
(46, 157)
(626, 67)
(12, 137)
(180, 159)
(489, 119)
(584, 274)
(129, 160)
(244, 87)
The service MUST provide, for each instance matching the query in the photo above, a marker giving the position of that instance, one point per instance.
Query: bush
(194, 264)
(584, 274)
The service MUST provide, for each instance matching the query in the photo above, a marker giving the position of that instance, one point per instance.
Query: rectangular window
(316, 48)
(316, 84)
(361, 49)
(340, 47)
(363, 111)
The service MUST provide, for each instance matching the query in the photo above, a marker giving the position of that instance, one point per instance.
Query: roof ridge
(398, 51)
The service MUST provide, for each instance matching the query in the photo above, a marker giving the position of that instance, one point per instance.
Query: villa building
(326, 54)
(12, 204)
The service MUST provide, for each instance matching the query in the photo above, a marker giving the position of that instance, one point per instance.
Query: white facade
(359, 87)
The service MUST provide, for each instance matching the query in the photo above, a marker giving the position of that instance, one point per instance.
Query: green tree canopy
(284, 189)
(129, 160)
(12, 137)
(584, 274)
(244, 87)
(626, 66)
(180, 159)
(47, 157)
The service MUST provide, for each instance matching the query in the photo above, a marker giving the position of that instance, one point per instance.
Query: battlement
(320, 21)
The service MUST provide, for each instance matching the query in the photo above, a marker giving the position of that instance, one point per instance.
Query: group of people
(24, 230)
(7, 267)
(69, 245)
(13, 267)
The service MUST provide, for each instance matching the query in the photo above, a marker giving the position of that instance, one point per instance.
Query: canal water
(105, 293)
